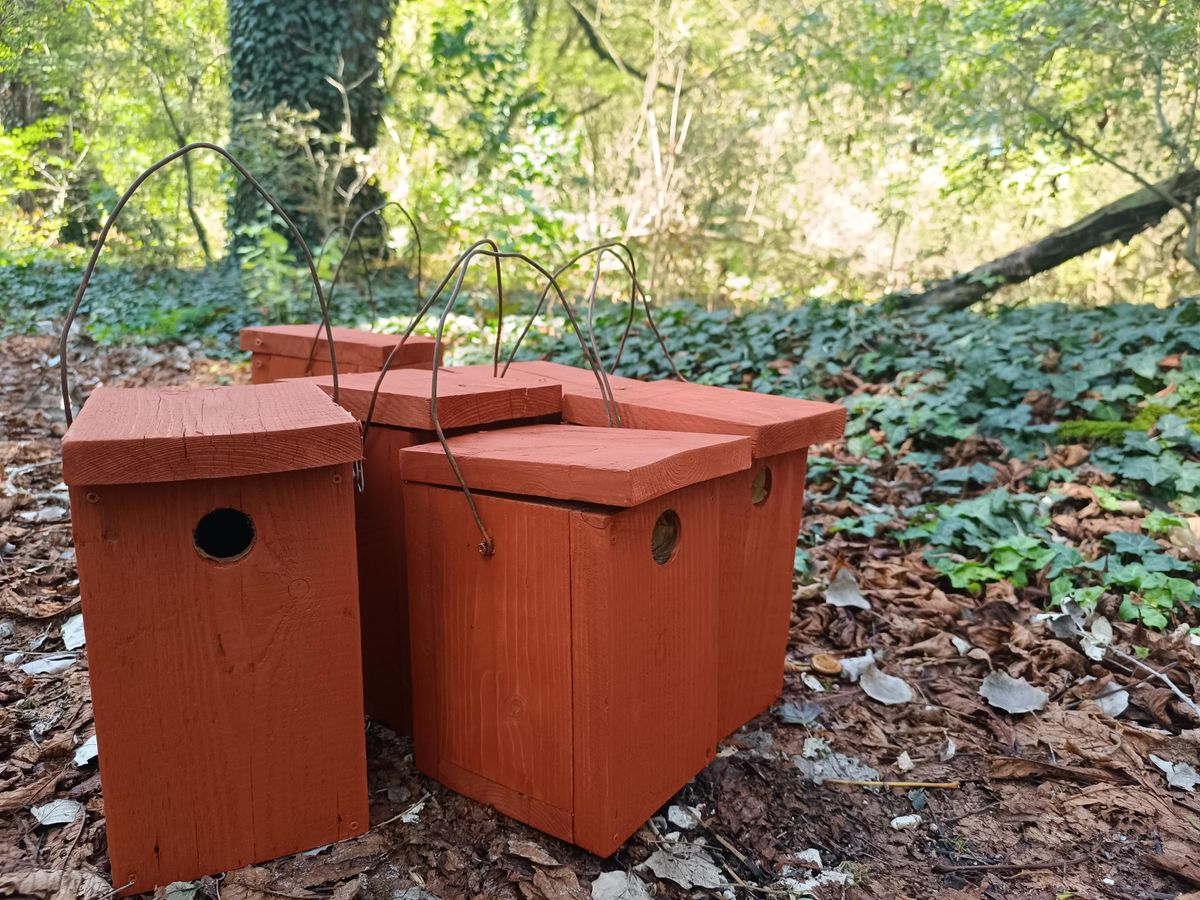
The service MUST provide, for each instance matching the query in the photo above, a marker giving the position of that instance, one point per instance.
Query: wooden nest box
(295, 351)
(761, 508)
(214, 531)
(570, 679)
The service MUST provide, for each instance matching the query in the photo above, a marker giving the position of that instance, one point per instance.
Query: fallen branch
(946, 785)
(1120, 221)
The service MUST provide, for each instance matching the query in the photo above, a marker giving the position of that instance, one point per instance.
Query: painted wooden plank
(544, 817)
(610, 466)
(774, 423)
(643, 661)
(382, 576)
(465, 399)
(227, 696)
(139, 435)
(265, 368)
(354, 347)
(574, 375)
(757, 556)
(491, 646)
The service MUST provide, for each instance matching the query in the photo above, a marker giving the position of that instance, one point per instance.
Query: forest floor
(1065, 801)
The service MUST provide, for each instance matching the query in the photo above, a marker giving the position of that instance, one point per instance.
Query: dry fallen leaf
(843, 591)
(1179, 774)
(532, 852)
(619, 886)
(884, 688)
(1013, 695)
(688, 865)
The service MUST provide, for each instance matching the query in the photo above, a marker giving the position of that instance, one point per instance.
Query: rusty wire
(90, 268)
(353, 240)
(362, 256)
(485, 247)
(636, 292)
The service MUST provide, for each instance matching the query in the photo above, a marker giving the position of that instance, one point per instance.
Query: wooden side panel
(758, 547)
(383, 581)
(265, 368)
(354, 347)
(645, 668)
(227, 696)
(491, 647)
(607, 466)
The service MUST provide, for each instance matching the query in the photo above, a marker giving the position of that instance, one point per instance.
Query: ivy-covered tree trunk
(306, 92)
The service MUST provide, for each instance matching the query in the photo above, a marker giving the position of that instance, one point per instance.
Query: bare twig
(947, 785)
(1133, 660)
(946, 868)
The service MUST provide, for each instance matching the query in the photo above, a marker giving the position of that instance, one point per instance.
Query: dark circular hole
(760, 485)
(224, 534)
(665, 538)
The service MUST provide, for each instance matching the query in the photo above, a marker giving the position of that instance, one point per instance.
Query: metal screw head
(92, 497)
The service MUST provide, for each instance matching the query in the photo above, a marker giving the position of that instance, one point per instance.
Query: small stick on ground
(1133, 660)
(944, 785)
(947, 868)
(967, 815)
(1117, 687)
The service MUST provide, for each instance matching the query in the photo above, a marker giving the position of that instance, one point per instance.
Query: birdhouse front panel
(214, 533)
(297, 351)
(761, 509)
(403, 417)
(570, 679)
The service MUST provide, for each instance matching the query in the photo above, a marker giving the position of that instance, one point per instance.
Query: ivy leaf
(1130, 543)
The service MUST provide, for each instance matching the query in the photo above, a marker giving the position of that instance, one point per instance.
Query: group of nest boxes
(636, 610)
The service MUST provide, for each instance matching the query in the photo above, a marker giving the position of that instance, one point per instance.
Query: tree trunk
(287, 55)
(1118, 221)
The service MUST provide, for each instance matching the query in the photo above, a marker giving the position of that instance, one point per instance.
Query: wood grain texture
(354, 347)
(644, 661)
(491, 643)
(574, 375)
(227, 696)
(382, 578)
(465, 399)
(608, 466)
(140, 435)
(757, 556)
(265, 368)
(775, 424)
(570, 680)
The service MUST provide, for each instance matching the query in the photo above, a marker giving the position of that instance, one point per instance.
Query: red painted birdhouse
(403, 416)
(570, 679)
(294, 351)
(760, 509)
(214, 531)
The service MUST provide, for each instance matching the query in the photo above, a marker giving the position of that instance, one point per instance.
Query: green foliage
(835, 149)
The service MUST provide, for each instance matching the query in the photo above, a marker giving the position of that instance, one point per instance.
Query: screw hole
(224, 535)
(760, 485)
(664, 540)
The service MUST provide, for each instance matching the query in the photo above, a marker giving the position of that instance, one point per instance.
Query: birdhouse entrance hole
(760, 486)
(665, 538)
(224, 535)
